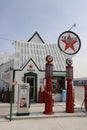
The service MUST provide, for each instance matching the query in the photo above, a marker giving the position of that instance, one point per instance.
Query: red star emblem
(69, 43)
(30, 66)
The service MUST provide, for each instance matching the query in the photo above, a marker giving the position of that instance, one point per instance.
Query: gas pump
(70, 90)
(23, 99)
(48, 89)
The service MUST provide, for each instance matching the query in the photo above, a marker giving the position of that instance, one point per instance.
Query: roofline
(28, 62)
(38, 36)
(35, 65)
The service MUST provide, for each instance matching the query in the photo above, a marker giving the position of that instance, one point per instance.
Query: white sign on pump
(23, 99)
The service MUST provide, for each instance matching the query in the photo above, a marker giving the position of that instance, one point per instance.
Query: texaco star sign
(69, 43)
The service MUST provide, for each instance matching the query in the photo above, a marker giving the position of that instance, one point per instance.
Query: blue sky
(19, 19)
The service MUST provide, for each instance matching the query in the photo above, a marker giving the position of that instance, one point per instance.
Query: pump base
(48, 113)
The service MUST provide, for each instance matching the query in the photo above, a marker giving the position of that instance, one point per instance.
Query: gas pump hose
(82, 106)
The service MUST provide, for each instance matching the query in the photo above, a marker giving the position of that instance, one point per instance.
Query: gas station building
(28, 66)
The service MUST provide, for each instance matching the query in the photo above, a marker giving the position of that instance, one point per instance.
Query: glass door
(31, 81)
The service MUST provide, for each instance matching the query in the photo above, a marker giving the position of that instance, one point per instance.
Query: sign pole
(13, 83)
(11, 104)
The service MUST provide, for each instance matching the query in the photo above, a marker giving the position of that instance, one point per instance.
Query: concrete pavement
(36, 111)
(60, 121)
(38, 121)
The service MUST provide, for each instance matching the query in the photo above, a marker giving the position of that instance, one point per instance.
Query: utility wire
(6, 39)
(2, 38)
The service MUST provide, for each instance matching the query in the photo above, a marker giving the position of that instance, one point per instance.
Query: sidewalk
(36, 111)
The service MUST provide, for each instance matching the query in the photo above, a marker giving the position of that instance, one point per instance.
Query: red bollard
(40, 96)
(44, 97)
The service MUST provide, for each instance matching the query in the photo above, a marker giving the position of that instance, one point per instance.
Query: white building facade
(28, 65)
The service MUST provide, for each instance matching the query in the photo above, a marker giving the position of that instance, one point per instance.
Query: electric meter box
(23, 99)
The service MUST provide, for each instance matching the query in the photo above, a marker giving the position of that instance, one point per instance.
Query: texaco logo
(69, 43)
(49, 58)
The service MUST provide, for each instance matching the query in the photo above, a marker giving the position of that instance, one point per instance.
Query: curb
(39, 115)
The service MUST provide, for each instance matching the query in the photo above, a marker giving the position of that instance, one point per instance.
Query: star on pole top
(69, 43)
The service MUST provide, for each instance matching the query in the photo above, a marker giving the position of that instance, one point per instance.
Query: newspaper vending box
(23, 99)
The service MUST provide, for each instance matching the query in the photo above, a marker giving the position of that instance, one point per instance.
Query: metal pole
(74, 25)
(11, 104)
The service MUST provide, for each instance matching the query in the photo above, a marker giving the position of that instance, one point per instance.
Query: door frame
(32, 75)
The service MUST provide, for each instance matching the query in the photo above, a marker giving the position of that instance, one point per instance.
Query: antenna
(74, 25)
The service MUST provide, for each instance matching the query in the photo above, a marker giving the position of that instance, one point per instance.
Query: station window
(58, 83)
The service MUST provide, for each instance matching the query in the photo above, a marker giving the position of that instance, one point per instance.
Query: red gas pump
(48, 88)
(85, 95)
(70, 90)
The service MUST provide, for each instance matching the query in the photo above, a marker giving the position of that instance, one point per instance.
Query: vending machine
(23, 99)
